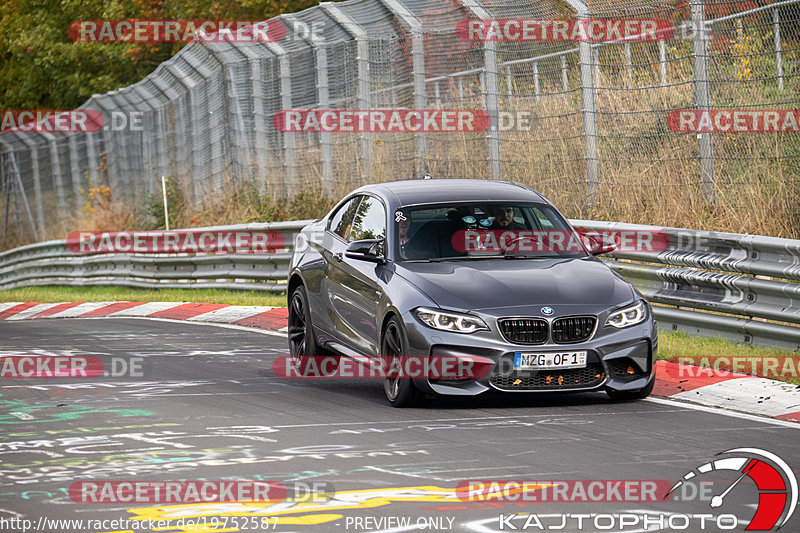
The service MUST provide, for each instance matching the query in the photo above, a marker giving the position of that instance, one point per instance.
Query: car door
(354, 288)
(335, 242)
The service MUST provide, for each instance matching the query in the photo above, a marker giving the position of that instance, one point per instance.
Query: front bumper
(621, 360)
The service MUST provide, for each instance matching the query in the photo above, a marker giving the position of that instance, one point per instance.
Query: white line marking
(725, 412)
(175, 321)
(405, 474)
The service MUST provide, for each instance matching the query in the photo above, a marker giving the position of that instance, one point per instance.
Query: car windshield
(467, 231)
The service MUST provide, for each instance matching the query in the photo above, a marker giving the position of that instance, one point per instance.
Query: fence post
(776, 25)
(662, 57)
(589, 111)
(596, 63)
(91, 156)
(74, 171)
(323, 99)
(701, 98)
(286, 104)
(37, 181)
(628, 64)
(362, 62)
(58, 178)
(510, 86)
(491, 90)
(418, 67)
(12, 183)
(259, 120)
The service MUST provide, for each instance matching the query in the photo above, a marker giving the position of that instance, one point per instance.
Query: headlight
(628, 316)
(449, 321)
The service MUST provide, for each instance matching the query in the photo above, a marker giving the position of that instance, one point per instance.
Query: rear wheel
(400, 391)
(302, 344)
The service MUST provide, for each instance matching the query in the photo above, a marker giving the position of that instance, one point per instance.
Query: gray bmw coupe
(476, 270)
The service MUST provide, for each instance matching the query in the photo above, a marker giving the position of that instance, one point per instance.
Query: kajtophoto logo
(776, 483)
(711, 482)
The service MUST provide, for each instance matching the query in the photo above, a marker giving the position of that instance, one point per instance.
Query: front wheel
(400, 391)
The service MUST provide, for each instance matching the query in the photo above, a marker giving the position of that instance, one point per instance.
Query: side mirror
(600, 244)
(366, 250)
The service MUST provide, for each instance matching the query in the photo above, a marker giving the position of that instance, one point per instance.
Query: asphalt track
(207, 406)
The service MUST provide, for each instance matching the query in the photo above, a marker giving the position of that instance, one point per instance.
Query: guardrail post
(701, 98)
(776, 25)
(491, 90)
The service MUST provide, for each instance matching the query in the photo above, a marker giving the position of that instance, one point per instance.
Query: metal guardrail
(745, 288)
(52, 263)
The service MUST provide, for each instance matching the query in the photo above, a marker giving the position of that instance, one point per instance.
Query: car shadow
(372, 392)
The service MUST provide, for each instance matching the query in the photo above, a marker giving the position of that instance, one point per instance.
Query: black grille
(619, 367)
(573, 329)
(573, 378)
(524, 330)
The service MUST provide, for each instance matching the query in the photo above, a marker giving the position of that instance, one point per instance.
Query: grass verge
(64, 293)
(676, 344)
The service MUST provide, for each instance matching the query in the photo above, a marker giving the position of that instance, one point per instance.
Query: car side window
(369, 221)
(342, 221)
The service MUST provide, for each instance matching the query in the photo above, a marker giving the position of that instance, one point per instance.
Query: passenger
(403, 227)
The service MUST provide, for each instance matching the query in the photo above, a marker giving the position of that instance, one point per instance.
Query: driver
(504, 218)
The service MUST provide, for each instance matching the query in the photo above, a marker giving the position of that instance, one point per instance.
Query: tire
(627, 396)
(302, 344)
(401, 392)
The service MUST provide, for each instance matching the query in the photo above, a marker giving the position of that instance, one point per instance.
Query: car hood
(499, 283)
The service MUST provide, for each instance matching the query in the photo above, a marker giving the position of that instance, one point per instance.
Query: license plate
(548, 361)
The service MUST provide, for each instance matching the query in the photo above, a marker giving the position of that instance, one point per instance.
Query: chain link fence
(599, 143)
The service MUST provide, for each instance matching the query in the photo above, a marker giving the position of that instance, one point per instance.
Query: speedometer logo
(776, 483)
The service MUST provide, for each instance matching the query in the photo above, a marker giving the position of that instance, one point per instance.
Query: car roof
(409, 192)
